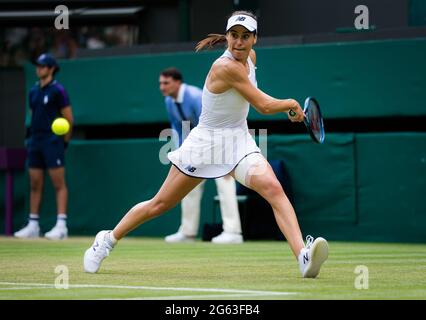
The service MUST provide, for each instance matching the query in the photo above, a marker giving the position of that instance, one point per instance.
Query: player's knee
(275, 189)
(270, 188)
(159, 206)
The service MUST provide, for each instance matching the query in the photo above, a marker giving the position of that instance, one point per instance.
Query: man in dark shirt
(48, 100)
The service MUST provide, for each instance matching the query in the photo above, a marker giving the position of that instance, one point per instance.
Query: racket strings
(315, 121)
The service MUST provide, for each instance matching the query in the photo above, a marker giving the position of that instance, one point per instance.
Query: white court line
(18, 288)
(198, 297)
(232, 291)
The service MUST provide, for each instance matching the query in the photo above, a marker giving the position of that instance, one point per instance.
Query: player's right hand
(295, 114)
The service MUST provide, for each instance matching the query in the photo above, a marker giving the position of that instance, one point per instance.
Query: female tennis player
(221, 144)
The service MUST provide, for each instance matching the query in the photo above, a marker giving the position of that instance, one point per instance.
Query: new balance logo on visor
(240, 19)
(190, 169)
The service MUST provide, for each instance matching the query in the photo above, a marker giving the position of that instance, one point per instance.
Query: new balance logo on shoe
(313, 256)
(305, 258)
(98, 251)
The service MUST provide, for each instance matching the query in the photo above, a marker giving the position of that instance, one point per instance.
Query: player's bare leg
(176, 186)
(260, 177)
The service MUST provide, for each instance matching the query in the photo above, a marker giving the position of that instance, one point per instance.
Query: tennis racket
(313, 119)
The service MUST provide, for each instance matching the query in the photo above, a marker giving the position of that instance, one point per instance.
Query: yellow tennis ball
(60, 126)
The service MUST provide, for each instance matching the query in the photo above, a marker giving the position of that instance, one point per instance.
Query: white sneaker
(179, 237)
(57, 233)
(99, 250)
(313, 256)
(30, 231)
(228, 238)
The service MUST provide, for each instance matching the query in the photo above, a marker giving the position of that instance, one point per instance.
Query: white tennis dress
(221, 139)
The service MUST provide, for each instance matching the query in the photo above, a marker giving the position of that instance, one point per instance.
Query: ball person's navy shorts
(46, 152)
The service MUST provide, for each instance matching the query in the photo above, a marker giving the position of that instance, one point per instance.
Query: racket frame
(307, 121)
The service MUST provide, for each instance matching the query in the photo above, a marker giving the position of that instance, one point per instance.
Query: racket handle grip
(292, 113)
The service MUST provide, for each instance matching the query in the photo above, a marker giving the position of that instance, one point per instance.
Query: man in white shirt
(183, 103)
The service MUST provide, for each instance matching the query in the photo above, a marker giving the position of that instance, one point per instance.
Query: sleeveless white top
(221, 139)
(227, 109)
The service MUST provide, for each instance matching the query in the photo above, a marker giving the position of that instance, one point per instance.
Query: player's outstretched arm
(234, 75)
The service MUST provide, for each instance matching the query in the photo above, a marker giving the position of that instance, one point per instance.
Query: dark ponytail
(209, 42)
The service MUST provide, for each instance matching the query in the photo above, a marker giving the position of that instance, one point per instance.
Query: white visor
(243, 20)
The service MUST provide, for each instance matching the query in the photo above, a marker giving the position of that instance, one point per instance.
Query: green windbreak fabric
(354, 79)
(322, 176)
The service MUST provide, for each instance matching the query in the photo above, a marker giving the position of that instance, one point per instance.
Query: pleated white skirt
(211, 152)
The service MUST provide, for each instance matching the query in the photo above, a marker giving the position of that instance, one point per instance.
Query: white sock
(62, 220)
(300, 256)
(33, 220)
(111, 239)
